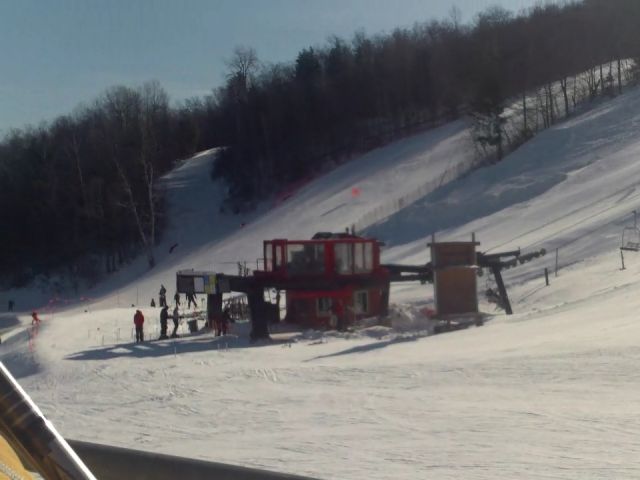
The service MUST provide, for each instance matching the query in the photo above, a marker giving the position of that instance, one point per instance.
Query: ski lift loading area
(335, 279)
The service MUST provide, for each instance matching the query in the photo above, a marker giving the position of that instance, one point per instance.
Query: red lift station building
(329, 273)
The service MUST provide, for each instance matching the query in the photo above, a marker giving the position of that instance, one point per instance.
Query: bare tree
(242, 64)
(124, 123)
(455, 17)
(154, 110)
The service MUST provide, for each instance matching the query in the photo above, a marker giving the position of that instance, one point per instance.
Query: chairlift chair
(630, 239)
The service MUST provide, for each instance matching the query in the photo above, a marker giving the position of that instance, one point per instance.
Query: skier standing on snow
(34, 318)
(176, 297)
(222, 324)
(163, 295)
(191, 298)
(176, 319)
(164, 317)
(138, 321)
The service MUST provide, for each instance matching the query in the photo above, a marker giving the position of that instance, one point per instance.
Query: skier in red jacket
(138, 320)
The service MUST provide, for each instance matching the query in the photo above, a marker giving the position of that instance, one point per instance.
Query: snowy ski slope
(550, 392)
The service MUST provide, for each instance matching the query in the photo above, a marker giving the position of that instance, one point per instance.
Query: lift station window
(368, 257)
(279, 256)
(361, 301)
(353, 257)
(324, 306)
(358, 257)
(268, 256)
(343, 254)
(363, 257)
(198, 284)
(305, 258)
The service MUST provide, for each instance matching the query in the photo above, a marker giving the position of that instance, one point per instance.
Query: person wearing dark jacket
(162, 295)
(191, 298)
(176, 320)
(176, 297)
(138, 321)
(164, 317)
(222, 325)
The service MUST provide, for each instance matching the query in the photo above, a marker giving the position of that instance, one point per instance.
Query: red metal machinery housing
(330, 278)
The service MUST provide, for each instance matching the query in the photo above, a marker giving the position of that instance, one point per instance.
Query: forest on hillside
(82, 191)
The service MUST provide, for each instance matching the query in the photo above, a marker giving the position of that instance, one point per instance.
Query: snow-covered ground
(550, 392)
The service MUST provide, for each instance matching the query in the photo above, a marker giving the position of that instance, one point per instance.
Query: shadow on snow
(371, 346)
(161, 348)
(525, 174)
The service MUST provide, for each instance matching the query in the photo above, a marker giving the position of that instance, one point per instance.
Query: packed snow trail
(209, 240)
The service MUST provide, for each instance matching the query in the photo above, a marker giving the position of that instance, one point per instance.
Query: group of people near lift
(221, 325)
(162, 299)
(164, 319)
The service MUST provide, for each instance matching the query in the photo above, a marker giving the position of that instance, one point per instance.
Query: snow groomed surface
(550, 392)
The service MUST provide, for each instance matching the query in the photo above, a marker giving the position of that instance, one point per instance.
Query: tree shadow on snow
(161, 348)
(372, 346)
(526, 173)
(8, 320)
(17, 354)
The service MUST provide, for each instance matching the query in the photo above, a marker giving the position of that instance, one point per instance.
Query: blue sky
(56, 54)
